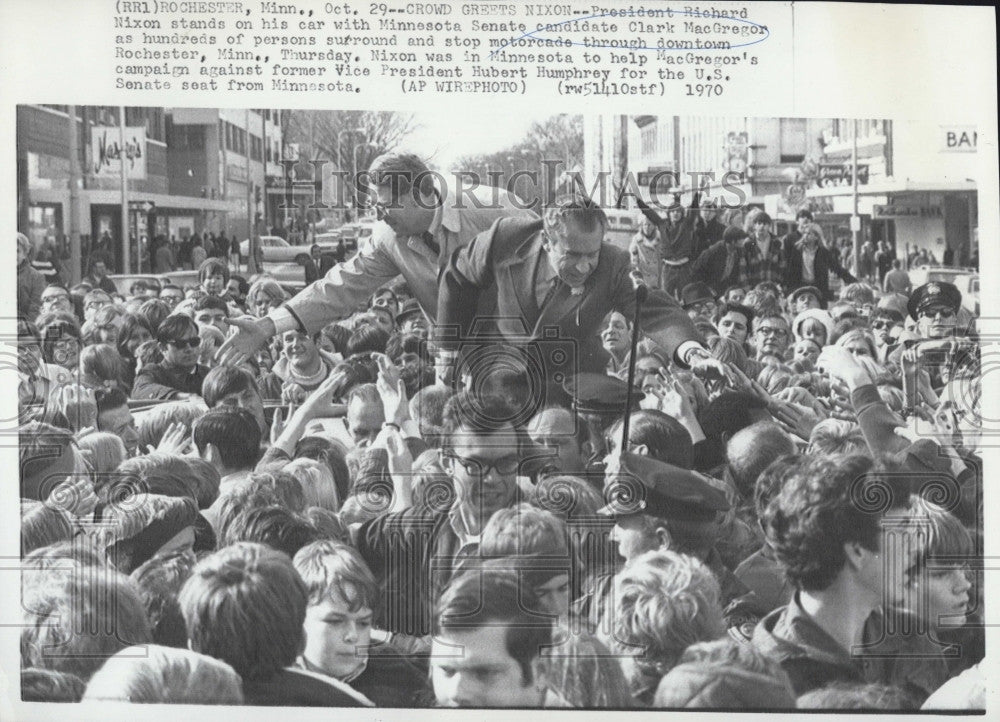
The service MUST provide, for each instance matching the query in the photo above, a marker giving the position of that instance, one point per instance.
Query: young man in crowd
(180, 376)
(490, 630)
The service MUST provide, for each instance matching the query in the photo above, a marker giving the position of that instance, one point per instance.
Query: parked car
(123, 281)
(965, 279)
(354, 234)
(275, 249)
(622, 225)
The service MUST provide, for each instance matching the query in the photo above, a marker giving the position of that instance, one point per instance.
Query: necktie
(553, 287)
(431, 243)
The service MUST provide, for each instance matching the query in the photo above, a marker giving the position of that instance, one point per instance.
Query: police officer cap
(597, 393)
(644, 485)
(935, 294)
(696, 292)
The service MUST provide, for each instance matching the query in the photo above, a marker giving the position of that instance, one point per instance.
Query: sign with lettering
(837, 174)
(236, 172)
(106, 152)
(959, 139)
(901, 211)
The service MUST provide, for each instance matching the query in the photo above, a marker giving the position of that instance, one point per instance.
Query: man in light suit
(557, 274)
(423, 226)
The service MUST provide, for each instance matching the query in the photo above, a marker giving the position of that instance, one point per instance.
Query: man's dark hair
(274, 526)
(214, 303)
(155, 312)
(739, 308)
(762, 217)
(751, 450)
(176, 327)
(108, 399)
(245, 605)
(367, 338)
(171, 287)
(401, 173)
(234, 432)
(822, 505)
(243, 286)
(584, 213)
(382, 291)
(400, 343)
(804, 213)
(213, 267)
(664, 437)
(47, 685)
(225, 380)
(487, 597)
(468, 411)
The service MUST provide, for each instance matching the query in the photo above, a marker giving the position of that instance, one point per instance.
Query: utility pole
(126, 239)
(75, 259)
(252, 239)
(855, 219)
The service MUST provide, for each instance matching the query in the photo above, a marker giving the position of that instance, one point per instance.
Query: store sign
(237, 173)
(901, 211)
(106, 152)
(832, 175)
(959, 139)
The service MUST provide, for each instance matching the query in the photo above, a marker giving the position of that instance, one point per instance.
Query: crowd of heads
(328, 511)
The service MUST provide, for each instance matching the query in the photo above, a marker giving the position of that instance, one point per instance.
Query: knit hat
(139, 528)
(816, 313)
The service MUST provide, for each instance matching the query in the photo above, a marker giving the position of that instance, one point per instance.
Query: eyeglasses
(772, 331)
(53, 299)
(505, 465)
(96, 304)
(882, 323)
(186, 343)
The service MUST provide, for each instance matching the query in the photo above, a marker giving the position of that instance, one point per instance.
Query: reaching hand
(841, 364)
(320, 403)
(292, 393)
(75, 496)
(796, 420)
(708, 367)
(392, 389)
(251, 335)
(78, 404)
(175, 440)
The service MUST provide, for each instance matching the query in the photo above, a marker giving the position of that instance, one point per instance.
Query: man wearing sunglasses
(180, 376)
(934, 306)
(422, 223)
(415, 552)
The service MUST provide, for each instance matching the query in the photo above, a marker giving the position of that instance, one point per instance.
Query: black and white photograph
(430, 380)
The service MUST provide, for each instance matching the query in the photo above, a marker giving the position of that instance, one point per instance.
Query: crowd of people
(425, 479)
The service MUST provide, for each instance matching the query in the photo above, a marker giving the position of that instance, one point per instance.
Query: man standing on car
(422, 225)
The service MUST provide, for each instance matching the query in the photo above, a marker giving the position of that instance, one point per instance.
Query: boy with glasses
(180, 376)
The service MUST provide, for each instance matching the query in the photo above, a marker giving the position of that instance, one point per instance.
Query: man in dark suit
(719, 265)
(810, 263)
(557, 274)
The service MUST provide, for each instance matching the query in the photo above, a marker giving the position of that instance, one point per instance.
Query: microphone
(638, 285)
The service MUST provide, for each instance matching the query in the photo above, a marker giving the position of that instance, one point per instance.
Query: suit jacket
(506, 258)
(348, 284)
(825, 263)
(710, 268)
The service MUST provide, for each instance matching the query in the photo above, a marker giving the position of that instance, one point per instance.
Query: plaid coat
(754, 267)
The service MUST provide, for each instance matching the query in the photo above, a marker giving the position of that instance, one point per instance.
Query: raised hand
(392, 390)
(251, 335)
(175, 440)
(78, 404)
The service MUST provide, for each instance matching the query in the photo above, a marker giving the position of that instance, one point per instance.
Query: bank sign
(958, 138)
(106, 152)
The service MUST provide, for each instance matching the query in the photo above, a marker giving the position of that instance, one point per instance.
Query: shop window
(794, 144)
